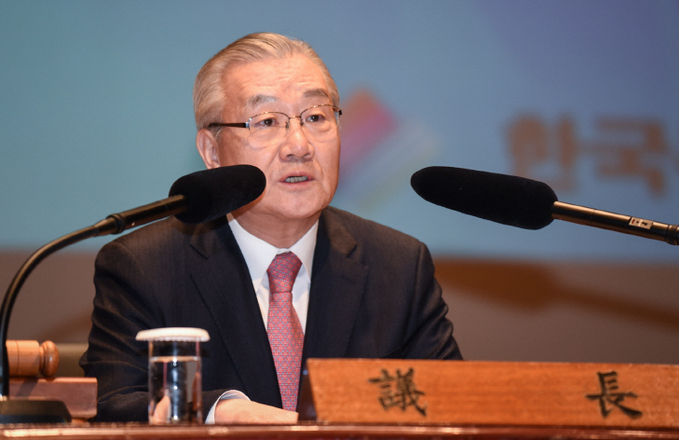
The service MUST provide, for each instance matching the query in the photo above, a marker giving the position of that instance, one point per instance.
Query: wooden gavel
(28, 358)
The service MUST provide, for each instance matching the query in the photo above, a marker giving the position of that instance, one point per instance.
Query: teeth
(296, 179)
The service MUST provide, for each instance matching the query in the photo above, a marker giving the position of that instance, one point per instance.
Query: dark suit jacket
(373, 295)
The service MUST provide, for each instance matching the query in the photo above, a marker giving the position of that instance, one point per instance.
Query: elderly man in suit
(284, 274)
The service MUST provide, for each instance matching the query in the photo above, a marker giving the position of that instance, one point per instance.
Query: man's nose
(296, 141)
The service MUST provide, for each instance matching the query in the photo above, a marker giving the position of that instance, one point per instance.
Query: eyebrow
(255, 100)
(316, 92)
(261, 98)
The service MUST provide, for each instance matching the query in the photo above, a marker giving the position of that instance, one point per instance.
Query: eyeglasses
(318, 122)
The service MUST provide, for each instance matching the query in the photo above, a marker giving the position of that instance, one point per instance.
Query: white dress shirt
(258, 256)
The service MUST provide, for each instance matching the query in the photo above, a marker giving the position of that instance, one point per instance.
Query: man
(358, 289)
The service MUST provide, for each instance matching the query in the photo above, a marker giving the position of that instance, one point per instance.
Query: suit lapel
(226, 287)
(337, 287)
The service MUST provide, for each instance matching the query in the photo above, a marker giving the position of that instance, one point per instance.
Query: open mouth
(296, 179)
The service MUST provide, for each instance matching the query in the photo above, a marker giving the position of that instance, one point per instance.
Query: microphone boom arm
(113, 224)
(16, 284)
(616, 222)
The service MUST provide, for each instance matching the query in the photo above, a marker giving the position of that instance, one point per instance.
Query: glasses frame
(287, 125)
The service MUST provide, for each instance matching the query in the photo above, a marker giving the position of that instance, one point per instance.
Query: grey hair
(208, 90)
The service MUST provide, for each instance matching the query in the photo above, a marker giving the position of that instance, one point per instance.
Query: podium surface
(135, 431)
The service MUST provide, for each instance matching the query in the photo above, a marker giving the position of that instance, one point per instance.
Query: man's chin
(299, 207)
(302, 214)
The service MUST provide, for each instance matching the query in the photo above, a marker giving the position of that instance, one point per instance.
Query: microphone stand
(54, 411)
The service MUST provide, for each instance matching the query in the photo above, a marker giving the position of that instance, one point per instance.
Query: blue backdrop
(96, 111)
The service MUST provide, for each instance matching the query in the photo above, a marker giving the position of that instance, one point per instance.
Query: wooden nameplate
(490, 393)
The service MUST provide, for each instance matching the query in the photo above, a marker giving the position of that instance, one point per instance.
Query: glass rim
(179, 334)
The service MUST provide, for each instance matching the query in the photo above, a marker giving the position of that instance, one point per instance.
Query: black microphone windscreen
(501, 198)
(216, 192)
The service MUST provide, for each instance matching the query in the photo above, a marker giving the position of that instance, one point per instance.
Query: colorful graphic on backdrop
(380, 151)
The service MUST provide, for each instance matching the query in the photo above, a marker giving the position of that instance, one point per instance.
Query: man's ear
(208, 147)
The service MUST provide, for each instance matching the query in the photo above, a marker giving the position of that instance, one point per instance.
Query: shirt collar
(259, 254)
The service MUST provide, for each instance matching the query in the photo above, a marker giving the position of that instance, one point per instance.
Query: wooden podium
(417, 400)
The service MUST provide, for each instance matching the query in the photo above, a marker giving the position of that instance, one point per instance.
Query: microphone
(500, 198)
(195, 198)
(521, 202)
(214, 193)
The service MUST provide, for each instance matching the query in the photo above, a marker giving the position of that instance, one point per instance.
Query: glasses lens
(268, 126)
(320, 121)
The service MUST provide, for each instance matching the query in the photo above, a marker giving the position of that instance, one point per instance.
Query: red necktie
(285, 332)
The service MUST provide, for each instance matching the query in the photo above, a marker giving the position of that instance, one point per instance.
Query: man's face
(301, 172)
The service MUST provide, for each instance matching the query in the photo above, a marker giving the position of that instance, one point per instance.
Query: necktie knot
(282, 272)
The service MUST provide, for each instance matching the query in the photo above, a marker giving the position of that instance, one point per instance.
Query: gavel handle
(28, 358)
